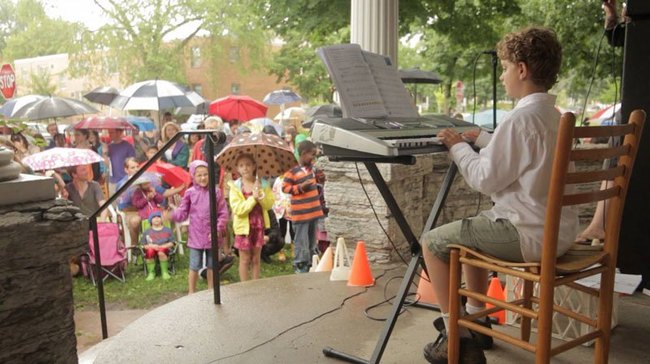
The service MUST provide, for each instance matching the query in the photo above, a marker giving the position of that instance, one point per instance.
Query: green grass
(137, 293)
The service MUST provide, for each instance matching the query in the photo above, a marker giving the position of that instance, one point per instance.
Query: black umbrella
(416, 75)
(13, 105)
(103, 95)
(327, 110)
(53, 107)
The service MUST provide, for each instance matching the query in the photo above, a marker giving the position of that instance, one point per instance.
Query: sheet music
(623, 283)
(368, 85)
(357, 89)
(397, 101)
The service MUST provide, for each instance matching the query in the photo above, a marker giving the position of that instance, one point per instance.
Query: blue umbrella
(279, 97)
(143, 123)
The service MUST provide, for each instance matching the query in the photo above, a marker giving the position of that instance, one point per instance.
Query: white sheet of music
(397, 100)
(354, 81)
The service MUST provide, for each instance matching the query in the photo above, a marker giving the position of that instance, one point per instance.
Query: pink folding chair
(113, 253)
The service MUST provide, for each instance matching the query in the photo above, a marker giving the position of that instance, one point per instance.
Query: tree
(451, 34)
(31, 33)
(147, 39)
(134, 39)
(303, 29)
(40, 83)
(301, 24)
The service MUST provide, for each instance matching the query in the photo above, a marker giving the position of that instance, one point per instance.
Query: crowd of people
(254, 214)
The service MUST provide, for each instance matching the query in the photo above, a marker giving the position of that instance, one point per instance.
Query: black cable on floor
(304, 322)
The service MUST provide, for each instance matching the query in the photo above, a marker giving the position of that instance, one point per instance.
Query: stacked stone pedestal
(37, 240)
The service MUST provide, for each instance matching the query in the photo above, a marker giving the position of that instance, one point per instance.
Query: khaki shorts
(497, 238)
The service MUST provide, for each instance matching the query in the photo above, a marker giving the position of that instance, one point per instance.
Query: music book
(368, 84)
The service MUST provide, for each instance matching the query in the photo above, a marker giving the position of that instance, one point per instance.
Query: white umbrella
(61, 157)
(291, 116)
(156, 95)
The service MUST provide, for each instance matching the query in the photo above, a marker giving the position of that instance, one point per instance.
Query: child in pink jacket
(196, 205)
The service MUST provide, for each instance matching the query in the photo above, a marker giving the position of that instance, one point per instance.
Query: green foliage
(451, 36)
(32, 33)
(40, 83)
(303, 29)
(135, 40)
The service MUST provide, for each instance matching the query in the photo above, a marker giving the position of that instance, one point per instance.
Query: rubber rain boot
(164, 269)
(151, 270)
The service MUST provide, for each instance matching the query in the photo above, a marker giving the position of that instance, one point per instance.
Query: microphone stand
(495, 61)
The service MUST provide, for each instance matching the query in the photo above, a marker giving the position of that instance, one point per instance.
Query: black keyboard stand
(416, 252)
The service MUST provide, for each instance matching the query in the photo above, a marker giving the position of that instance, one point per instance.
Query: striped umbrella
(156, 95)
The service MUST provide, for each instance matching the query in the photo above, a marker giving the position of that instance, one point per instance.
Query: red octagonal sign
(7, 81)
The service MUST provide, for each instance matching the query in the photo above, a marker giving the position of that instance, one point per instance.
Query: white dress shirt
(515, 170)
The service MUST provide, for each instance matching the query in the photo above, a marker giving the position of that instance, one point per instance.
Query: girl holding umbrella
(253, 156)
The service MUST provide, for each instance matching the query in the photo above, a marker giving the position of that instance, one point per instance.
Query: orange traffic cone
(495, 290)
(425, 290)
(360, 274)
(326, 262)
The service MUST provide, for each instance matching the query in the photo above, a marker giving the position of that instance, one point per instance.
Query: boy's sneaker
(485, 342)
(470, 352)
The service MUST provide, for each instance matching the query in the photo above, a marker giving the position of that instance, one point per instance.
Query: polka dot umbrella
(272, 154)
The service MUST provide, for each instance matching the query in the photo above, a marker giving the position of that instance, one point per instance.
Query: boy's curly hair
(538, 48)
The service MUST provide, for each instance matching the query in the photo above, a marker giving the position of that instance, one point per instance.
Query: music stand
(414, 244)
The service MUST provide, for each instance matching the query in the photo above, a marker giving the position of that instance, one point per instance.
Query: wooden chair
(552, 272)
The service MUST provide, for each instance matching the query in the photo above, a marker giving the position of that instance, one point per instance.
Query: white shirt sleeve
(497, 165)
(483, 139)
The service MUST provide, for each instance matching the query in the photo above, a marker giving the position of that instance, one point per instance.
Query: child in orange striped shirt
(306, 210)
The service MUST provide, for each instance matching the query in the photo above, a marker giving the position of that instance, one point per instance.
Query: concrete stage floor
(290, 319)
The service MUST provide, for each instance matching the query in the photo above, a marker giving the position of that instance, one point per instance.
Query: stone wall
(36, 307)
(414, 188)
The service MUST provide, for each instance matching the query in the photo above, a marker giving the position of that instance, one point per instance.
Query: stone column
(373, 25)
(38, 236)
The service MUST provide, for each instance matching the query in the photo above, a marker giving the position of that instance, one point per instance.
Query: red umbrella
(103, 122)
(237, 107)
(604, 114)
(171, 174)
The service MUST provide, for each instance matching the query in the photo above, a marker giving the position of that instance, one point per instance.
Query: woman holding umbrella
(180, 153)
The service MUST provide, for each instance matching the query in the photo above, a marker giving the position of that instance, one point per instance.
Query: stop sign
(7, 81)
